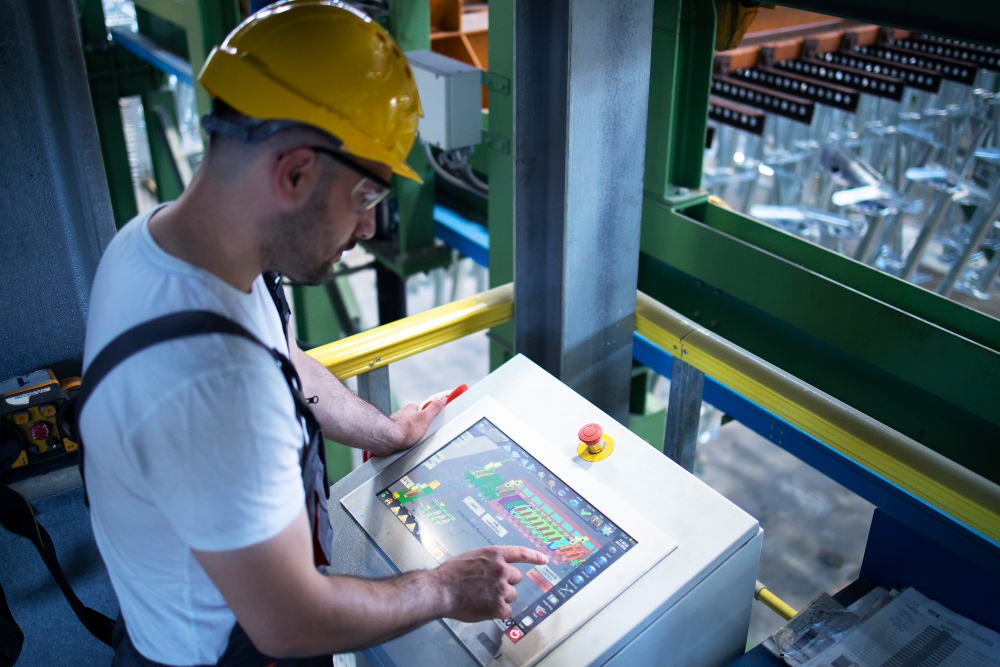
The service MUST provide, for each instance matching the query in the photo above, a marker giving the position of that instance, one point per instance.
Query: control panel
(520, 459)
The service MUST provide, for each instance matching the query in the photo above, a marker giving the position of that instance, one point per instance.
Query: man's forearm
(343, 416)
(352, 613)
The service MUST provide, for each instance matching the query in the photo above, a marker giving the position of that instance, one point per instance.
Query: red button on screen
(514, 633)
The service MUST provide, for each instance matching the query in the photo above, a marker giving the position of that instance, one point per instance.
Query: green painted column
(168, 185)
(410, 24)
(500, 207)
(105, 90)
(679, 84)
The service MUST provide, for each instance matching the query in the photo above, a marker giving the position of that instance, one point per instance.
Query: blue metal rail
(472, 240)
(152, 53)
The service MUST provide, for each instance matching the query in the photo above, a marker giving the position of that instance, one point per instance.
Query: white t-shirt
(192, 443)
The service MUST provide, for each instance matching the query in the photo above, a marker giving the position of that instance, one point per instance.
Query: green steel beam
(168, 35)
(910, 373)
(207, 22)
(168, 185)
(679, 80)
(113, 73)
(410, 24)
(972, 20)
(500, 206)
(897, 293)
(171, 10)
(315, 321)
(415, 203)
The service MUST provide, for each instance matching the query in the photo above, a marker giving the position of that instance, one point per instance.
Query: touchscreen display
(484, 489)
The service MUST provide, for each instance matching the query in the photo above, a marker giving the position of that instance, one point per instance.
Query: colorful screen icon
(514, 633)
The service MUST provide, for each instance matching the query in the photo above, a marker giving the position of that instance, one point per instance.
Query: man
(195, 465)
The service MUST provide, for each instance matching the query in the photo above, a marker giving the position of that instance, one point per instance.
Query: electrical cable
(449, 177)
(471, 175)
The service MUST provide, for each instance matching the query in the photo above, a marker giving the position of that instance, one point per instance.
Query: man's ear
(295, 174)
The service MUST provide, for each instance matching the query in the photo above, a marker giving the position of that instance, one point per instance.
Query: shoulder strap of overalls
(274, 287)
(182, 324)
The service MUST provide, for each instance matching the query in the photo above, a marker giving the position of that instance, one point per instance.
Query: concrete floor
(814, 529)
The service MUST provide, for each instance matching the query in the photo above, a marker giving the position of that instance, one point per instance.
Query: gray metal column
(581, 88)
(683, 413)
(55, 211)
(373, 387)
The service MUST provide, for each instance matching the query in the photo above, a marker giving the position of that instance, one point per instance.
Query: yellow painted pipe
(961, 493)
(761, 592)
(410, 335)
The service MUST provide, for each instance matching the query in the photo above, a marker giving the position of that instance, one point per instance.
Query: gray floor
(52, 634)
(814, 529)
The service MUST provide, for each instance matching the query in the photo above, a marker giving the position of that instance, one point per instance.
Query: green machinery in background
(917, 362)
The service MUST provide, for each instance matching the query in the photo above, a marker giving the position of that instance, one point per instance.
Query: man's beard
(295, 238)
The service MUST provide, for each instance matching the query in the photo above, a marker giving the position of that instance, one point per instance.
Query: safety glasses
(371, 190)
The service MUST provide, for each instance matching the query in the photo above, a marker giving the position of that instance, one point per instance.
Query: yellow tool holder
(957, 491)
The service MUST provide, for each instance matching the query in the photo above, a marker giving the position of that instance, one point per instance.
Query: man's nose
(366, 225)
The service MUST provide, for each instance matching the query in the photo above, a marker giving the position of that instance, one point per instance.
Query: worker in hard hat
(203, 452)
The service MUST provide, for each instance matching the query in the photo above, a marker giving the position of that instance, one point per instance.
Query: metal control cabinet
(451, 99)
(691, 608)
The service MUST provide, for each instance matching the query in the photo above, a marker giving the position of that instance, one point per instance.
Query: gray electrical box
(451, 97)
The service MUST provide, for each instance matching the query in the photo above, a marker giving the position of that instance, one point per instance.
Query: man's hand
(411, 424)
(479, 584)
(350, 420)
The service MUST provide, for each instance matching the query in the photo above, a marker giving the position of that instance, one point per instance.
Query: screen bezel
(407, 554)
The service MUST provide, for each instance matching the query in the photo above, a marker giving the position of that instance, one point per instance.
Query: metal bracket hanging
(497, 82)
(497, 142)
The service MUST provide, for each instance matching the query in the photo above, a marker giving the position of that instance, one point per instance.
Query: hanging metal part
(914, 77)
(736, 115)
(954, 42)
(977, 56)
(783, 104)
(949, 69)
(830, 94)
(980, 226)
(879, 85)
(578, 180)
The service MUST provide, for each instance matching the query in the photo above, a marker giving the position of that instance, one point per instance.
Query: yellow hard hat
(326, 64)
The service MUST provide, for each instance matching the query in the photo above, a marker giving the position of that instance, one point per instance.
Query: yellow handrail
(970, 498)
(410, 335)
(943, 483)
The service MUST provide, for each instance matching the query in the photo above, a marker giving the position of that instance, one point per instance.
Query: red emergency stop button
(590, 434)
(38, 431)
